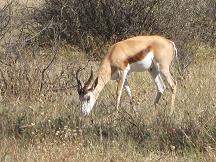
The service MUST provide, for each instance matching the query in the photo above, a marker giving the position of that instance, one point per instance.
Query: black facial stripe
(88, 98)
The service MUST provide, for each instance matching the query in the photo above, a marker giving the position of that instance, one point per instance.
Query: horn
(79, 82)
(94, 84)
(90, 79)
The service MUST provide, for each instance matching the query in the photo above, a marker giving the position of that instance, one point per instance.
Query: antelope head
(85, 91)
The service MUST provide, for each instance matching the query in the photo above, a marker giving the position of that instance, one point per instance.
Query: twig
(4, 80)
(38, 33)
(44, 70)
(55, 43)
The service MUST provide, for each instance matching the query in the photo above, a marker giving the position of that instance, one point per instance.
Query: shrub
(78, 21)
(92, 25)
(4, 19)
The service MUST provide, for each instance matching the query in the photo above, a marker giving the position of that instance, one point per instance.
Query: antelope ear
(94, 84)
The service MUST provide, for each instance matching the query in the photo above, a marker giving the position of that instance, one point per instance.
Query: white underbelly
(142, 65)
(138, 66)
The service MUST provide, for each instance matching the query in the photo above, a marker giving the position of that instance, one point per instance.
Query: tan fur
(139, 56)
(130, 51)
(129, 48)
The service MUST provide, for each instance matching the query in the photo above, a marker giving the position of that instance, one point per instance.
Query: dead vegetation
(39, 109)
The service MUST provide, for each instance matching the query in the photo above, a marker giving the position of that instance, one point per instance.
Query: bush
(75, 20)
(4, 19)
(79, 21)
(92, 25)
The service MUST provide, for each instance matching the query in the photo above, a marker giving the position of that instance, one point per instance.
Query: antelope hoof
(133, 101)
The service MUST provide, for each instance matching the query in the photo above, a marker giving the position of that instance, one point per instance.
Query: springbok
(136, 54)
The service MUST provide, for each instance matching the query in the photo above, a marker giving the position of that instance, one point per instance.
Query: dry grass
(49, 128)
(40, 116)
(31, 3)
(54, 151)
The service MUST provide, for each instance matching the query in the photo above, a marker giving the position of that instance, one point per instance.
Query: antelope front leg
(121, 82)
(128, 90)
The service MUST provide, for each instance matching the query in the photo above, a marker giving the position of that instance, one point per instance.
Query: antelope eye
(88, 98)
